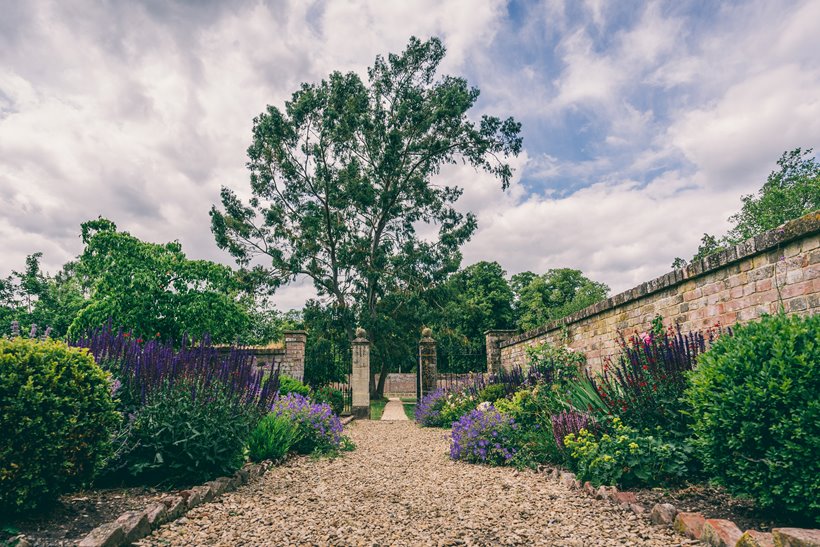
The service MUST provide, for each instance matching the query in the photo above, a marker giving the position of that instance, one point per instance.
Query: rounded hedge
(56, 418)
(755, 402)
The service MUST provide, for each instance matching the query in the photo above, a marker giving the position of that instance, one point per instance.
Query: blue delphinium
(484, 435)
(320, 427)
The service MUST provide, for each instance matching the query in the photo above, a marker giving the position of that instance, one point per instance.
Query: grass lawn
(409, 404)
(377, 408)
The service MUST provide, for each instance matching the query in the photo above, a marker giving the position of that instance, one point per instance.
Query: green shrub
(56, 419)
(756, 408)
(332, 396)
(292, 385)
(273, 437)
(627, 458)
(492, 393)
(532, 409)
(455, 406)
(187, 433)
(560, 365)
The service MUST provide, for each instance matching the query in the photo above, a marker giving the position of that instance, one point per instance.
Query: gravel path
(394, 410)
(400, 488)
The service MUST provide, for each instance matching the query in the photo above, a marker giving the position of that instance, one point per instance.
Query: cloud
(642, 127)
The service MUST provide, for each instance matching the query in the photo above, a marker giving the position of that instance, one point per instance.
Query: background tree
(154, 289)
(540, 299)
(342, 177)
(788, 193)
(472, 301)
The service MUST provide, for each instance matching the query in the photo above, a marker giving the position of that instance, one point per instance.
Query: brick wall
(399, 384)
(781, 267)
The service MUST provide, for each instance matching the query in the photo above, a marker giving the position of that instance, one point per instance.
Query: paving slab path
(394, 410)
(400, 488)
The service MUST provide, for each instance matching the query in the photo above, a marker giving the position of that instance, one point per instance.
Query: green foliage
(553, 295)
(788, 193)
(154, 288)
(470, 302)
(342, 181)
(566, 364)
(273, 437)
(332, 396)
(292, 385)
(627, 458)
(56, 418)
(492, 393)
(32, 297)
(754, 399)
(532, 409)
(455, 406)
(187, 433)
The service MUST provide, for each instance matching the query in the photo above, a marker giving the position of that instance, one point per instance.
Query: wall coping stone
(804, 226)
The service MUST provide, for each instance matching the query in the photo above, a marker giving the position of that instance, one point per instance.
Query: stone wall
(399, 384)
(290, 358)
(777, 268)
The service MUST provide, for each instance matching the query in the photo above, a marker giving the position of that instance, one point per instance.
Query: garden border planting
(714, 532)
(134, 525)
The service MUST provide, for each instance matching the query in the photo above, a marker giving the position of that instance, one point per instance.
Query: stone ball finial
(427, 332)
(361, 333)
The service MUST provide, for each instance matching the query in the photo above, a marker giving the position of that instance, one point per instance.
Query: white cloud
(141, 111)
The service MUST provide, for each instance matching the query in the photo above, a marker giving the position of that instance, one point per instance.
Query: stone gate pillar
(293, 363)
(493, 337)
(360, 379)
(428, 363)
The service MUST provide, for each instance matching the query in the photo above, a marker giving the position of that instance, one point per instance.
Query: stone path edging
(714, 532)
(134, 525)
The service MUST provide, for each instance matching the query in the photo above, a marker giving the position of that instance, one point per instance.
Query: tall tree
(540, 299)
(343, 176)
(788, 193)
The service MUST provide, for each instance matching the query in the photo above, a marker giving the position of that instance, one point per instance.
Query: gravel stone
(399, 487)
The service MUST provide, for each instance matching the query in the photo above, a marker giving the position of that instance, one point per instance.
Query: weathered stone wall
(399, 384)
(293, 361)
(758, 276)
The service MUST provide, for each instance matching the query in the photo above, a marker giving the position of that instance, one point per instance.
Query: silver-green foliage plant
(756, 410)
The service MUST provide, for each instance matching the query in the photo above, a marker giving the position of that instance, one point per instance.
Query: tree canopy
(343, 178)
(788, 193)
(552, 295)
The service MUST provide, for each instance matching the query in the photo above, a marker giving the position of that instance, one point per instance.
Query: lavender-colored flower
(33, 332)
(483, 436)
(428, 409)
(15, 329)
(114, 386)
(320, 426)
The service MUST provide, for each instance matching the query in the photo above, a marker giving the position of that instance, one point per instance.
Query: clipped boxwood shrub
(292, 385)
(56, 421)
(756, 408)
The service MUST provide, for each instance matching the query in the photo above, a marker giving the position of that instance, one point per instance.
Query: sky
(643, 122)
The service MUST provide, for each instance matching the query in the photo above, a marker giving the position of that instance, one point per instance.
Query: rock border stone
(714, 532)
(134, 525)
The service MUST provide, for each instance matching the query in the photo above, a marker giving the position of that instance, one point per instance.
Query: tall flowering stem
(144, 367)
(569, 421)
(645, 383)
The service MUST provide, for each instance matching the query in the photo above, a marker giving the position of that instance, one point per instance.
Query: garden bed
(76, 514)
(714, 503)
